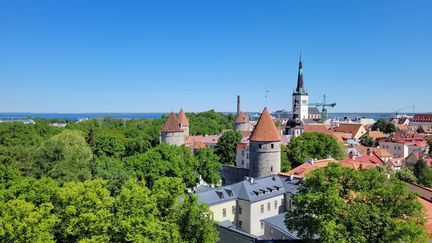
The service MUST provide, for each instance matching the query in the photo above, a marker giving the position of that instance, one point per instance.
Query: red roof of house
(172, 124)
(182, 118)
(422, 118)
(376, 134)
(351, 128)
(317, 128)
(265, 130)
(242, 118)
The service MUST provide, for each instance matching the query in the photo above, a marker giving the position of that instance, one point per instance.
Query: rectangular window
(242, 162)
(271, 231)
(275, 204)
(262, 208)
(282, 202)
(290, 203)
(268, 206)
(233, 210)
(240, 224)
(243, 153)
(259, 146)
(239, 209)
(272, 146)
(224, 212)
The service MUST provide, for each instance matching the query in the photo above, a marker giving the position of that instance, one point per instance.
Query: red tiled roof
(428, 206)
(317, 128)
(348, 128)
(172, 124)
(242, 118)
(241, 146)
(265, 130)
(376, 134)
(422, 118)
(182, 118)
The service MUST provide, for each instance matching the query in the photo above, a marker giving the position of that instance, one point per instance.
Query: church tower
(300, 108)
(264, 148)
(300, 97)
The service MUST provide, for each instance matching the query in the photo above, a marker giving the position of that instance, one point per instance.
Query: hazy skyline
(136, 56)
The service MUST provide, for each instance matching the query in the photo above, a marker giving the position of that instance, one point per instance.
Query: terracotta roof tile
(182, 118)
(265, 130)
(348, 128)
(172, 124)
(317, 128)
(243, 117)
(376, 134)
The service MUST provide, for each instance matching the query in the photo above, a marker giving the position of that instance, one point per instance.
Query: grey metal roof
(278, 223)
(252, 191)
(217, 195)
(313, 110)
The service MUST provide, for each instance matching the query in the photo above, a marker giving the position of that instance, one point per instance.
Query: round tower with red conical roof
(265, 147)
(184, 122)
(172, 131)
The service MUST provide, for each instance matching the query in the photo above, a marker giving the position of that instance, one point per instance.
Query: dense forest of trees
(104, 180)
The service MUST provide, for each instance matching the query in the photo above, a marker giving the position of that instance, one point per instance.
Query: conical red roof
(242, 118)
(182, 118)
(172, 124)
(265, 130)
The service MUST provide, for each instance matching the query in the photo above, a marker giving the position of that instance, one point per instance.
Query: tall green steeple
(300, 86)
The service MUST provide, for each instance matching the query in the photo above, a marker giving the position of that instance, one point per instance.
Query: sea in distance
(77, 116)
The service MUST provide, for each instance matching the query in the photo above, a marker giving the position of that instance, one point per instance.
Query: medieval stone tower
(184, 122)
(172, 131)
(265, 147)
(242, 121)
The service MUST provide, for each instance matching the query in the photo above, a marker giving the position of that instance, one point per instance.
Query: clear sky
(156, 56)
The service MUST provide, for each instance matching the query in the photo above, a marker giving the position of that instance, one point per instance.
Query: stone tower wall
(266, 160)
(242, 127)
(173, 138)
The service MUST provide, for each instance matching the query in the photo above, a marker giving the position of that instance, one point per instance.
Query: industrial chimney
(238, 105)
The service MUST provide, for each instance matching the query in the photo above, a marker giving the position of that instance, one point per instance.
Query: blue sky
(156, 56)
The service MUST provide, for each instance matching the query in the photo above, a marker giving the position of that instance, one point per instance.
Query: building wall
(399, 150)
(242, 127)
(186, 131)
(227, 235)
(362, 131)
(173, 138)
(230, 209)
(304, 107)
(242, 157)
(263, 159)
(231, 174)
(256, 215)
(272, 233)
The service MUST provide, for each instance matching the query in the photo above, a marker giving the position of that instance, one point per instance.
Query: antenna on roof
(266, 95)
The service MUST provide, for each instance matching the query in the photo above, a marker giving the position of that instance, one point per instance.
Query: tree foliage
(384, 126)
(314, 145)
(368, 141)
(341, 204)
(285, 163)
(208, 165)
(209, 122)
(423, 173)
(226, 147)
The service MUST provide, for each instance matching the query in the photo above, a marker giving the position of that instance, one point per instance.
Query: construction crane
(324, 105)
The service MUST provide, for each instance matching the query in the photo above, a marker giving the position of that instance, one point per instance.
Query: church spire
(300, 85)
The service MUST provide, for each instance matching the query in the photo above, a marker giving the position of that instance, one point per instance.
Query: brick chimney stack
(238, 105)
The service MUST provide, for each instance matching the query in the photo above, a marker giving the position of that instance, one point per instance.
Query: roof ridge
(265, 130)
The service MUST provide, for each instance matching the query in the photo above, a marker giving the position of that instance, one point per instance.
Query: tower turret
(265, 147)
(184, 122)
(171, 131)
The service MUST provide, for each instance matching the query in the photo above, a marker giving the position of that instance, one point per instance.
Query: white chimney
(291, 177)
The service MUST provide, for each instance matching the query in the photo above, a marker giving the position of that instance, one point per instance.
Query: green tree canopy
(341, 204)
(209, 122)
(285, 163)
(226, 147)
(313, 145)
(384, 126)
(423, 173)
(208, 165)
(65, 156)
(368, 141)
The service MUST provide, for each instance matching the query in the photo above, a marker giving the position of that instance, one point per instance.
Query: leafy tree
(423, 173)
(136, 214)
(194, 221)
(164, 160)
(314, 145)
(226, 146)
(209, 122)
(406, 174)
(85, 210)
(65, 156)
(136, 146)
(22, 221)
(384, 126)
(166, 192)
(368, 141)
(208, 165)
(285, 163)
(113, 170)
(430, 146)
(341, 204)
(108, 143)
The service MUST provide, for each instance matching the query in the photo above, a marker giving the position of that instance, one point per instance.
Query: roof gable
(265, 130)
(172, 124)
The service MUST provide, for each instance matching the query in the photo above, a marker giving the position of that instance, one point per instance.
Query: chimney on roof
(369, 151)
(291, 177)
(238, 105)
